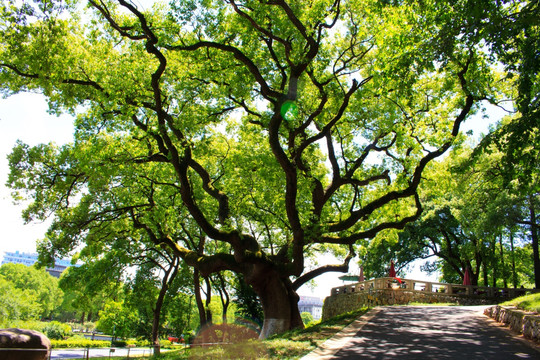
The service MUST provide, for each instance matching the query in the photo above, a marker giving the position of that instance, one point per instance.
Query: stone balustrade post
(410, 284)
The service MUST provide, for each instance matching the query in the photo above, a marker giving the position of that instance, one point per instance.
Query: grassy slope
(528, 302)
(290, 345)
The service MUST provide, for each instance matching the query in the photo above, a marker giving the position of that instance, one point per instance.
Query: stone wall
(519, 321)
(341, 303)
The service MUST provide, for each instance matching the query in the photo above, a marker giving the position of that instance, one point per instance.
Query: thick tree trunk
(155, 326)
(279, 303)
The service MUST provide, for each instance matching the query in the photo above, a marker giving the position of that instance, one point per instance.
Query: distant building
(30, 259)
(312, 305)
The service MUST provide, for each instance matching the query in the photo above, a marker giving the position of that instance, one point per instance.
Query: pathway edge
(331, 346)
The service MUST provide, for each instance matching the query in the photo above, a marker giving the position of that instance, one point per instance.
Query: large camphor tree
(248, 136)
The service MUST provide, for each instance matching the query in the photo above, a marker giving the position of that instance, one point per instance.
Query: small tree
(117, 320)
(248, 305)
(307, 318)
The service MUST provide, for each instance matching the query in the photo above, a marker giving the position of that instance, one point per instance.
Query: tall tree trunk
(279, 302)
(224, 296)
(505, 281)
(534, 237)
(155, 324)
(168, 278)
(494, 262)
(514, 274)
(485, 271)
(208, 301)
(198, 298)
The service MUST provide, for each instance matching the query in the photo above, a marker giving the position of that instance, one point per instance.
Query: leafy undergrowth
(290, 345)
(527, 302)
(79, 343)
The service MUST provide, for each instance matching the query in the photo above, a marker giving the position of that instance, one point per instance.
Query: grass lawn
(528, 302)
(290, 345)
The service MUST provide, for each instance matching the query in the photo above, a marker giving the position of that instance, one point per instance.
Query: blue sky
(24, 117)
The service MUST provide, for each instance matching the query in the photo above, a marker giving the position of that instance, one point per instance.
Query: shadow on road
(433, 333)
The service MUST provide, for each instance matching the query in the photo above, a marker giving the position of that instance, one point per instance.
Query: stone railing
(429, 287)
(390, 291)
(519, 321)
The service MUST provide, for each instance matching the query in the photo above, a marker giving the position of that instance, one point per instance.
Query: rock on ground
(23, 344)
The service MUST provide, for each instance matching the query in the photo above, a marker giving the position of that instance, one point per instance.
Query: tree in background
(181, 317)
(147, 291)
(280, 130)
(472, 218)
(87, 288)
(514, 35)
(117, 320)
(248, 306)
(307, 318)
(30, 293)
(15, 304)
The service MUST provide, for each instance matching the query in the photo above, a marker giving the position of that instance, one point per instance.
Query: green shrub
(284, 348)
(27, 324)
(119, 343)
(138, 342)
(56, 330)
(79, 342)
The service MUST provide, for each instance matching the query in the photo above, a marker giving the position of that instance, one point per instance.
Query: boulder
(14, 342)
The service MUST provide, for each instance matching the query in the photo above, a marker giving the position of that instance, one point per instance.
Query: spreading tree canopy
(244, 135)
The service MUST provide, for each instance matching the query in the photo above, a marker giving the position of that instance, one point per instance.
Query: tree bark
(485, 271)
(168, 278)
(514, 274)
(495, 269)
(534, 237)
(224, 296)
(155, 324)
(198, 298)
(279, 302)
(209, 320)
(505, 281)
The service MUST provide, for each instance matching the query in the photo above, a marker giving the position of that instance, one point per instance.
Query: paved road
(460, 333)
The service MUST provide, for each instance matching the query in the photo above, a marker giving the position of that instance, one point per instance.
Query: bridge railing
(428, 286)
